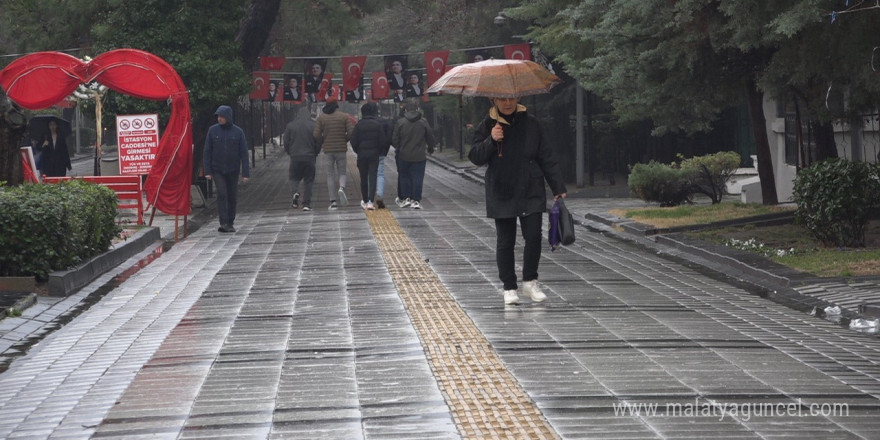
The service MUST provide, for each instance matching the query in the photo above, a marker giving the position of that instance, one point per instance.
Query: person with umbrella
(55, 159)
(519, 158)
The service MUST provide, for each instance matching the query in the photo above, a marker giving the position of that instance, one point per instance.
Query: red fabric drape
(39, 80)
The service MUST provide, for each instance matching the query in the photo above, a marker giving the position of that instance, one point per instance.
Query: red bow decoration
(39, 80)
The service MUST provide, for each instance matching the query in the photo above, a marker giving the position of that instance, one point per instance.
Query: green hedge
(52, 227)
(834, 200)
(657, 182)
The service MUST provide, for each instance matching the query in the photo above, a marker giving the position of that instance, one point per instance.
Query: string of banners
(309, 79)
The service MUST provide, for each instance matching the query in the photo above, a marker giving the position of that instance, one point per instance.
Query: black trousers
(505, 234)
(369, 171)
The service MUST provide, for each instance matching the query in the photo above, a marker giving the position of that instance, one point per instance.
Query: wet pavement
(341, 324)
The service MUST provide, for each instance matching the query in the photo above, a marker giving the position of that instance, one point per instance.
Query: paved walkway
(341, 324)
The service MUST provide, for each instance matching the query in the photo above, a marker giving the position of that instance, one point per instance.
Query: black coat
(515, 181)
(369, 139)
(55, 159)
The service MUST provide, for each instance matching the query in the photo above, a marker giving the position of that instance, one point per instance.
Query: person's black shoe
(230, 228)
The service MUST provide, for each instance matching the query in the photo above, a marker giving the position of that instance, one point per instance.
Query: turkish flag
(352, 72)
(435, 64)
(260, 85)
(271, 63)
(380, 86)
(324, 88)
(521, 51)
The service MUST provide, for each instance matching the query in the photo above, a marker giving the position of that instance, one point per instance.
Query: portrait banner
(395, 71)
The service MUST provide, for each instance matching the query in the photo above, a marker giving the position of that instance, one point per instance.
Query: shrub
(834, 199)
(52, 227)
(709, 174)
(656, 182)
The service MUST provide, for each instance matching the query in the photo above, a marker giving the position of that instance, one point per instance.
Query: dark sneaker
(226, 228)
(306, 207)
(332, 205)
(295, 203)
(230, 228)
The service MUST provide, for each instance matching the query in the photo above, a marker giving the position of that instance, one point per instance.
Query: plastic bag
(561, 226)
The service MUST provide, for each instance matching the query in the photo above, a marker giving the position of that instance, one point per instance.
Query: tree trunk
(826, 147)
(759, 128)
(12, 128)
(254, 30)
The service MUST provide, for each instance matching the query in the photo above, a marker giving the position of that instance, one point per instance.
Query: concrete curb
(22, 304)
(63, 283)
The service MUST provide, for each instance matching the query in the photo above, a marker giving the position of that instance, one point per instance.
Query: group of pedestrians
(509, 141)
(371, 139)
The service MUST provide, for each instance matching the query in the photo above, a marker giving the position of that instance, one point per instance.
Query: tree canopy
(679, 63)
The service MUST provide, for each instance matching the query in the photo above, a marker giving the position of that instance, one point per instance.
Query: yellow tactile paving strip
(485, 399)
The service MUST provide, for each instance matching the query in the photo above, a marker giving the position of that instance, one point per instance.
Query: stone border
(63, 283)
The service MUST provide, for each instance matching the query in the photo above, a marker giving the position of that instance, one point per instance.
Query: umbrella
(496, 79)
(38, 126)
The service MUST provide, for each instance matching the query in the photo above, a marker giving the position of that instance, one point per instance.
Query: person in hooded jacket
(370, 142)
(301, 146)
(519, 159)
(412, 138)
(225, 156)
(333, 131)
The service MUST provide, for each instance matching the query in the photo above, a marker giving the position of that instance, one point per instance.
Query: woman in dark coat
(54, 160)
(511, 142)
(369, 141)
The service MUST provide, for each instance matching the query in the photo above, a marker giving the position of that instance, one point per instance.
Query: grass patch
(793, 246)
(689, 215)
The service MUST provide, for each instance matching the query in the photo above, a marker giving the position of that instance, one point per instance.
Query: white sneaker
(343, 199)
(370, 206)
(332, 205)
(406, 203)
(510, 297)
(363, 205)
(534, 292)
(398, 202)
(415, 205)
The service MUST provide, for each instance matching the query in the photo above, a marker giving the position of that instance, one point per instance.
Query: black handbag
(566, 224)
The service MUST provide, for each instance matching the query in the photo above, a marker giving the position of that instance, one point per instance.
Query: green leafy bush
(709, 174)
(656, 182)
(834, 199)
(51, 227)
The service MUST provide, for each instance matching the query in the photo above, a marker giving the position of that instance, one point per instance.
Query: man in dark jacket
(301, 146)
(225, 156)
(412, 138)
(370, 142)
(510, 141)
